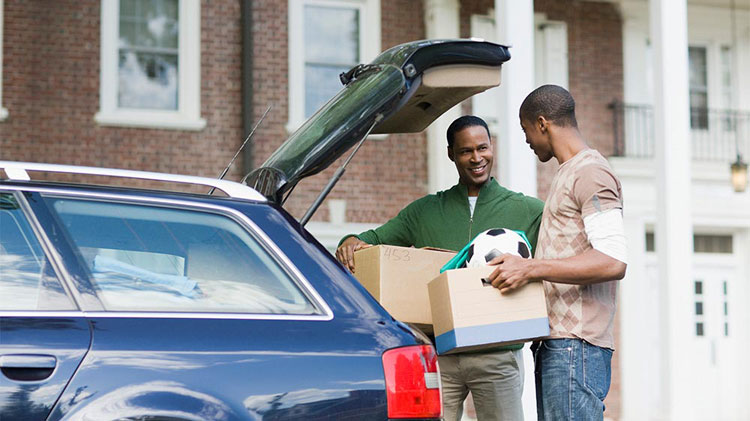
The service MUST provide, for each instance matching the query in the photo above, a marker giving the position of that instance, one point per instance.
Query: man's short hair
(551, 102)
(462, 123)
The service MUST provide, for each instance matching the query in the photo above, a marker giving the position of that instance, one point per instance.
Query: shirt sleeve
(596, 190)
(606, 233)
(398, 231)
(536, 208)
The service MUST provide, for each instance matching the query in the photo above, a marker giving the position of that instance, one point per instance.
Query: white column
(441, 21)
(516, 163)
(674, 229)
(637, 310)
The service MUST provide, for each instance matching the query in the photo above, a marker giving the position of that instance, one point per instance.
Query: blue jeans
(572, 379)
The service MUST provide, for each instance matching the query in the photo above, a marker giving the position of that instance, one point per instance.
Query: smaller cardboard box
(397, 277)
(468, 313)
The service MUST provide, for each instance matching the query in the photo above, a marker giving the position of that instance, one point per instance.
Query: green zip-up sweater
(444, 220)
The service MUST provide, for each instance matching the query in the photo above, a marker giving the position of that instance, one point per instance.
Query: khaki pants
(495, 380)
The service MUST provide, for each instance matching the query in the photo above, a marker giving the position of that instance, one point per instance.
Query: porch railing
(715, 135)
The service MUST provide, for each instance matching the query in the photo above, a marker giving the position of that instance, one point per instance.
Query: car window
(27, 281)
(153, 258)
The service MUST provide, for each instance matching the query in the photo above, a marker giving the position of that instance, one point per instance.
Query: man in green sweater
(449, 220)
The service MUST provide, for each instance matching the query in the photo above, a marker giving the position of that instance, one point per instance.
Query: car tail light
(412, 382)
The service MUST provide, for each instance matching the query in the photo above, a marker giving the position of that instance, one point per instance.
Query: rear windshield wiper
(357, 71)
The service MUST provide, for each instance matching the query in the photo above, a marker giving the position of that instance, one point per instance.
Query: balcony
(715, 136)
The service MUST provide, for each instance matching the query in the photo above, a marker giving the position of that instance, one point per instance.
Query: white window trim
(187, 116)
(551, 51)
(369, 48)
(3, 111)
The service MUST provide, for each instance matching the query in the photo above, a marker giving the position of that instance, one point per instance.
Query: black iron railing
(715, 135)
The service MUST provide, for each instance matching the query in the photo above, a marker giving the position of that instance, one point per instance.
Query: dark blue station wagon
(123, 304)
(139, 304)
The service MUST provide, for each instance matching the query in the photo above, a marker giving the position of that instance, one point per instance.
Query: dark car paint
(176, 367)
(432, 53)
(65, 338)
(214, 365)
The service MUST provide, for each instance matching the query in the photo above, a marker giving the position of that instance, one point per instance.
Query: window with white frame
(150, 64)
(3, 111)
(326, 38)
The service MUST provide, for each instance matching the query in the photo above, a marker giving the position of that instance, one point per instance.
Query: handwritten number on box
(396, 255)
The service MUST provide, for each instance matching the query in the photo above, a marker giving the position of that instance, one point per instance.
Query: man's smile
(478, 170)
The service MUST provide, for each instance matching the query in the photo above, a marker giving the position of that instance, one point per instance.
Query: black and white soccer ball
(494, 242)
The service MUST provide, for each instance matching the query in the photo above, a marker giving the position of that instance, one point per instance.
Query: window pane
(27, 281)
(650, 242)
(702, 243)
(327, 43)
(726, 75)
(147, 258)
(160, 23)
(321, 84)
(128, 33)
(148, 42)
(698, 110)
(707, 243)
(698, 73)
(698, 88)
(148, 81)
(329, 51)
(127, 8)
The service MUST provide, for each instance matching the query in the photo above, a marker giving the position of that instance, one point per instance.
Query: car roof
(19, 171)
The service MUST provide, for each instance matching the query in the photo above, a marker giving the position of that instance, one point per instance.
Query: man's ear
(450, 154)
(543, 124)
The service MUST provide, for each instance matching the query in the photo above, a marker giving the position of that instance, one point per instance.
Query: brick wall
(51, 90)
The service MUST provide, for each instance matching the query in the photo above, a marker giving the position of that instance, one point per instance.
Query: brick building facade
(51, 89)
(50, 74)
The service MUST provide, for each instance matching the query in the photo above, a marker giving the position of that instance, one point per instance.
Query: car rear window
(157, 258)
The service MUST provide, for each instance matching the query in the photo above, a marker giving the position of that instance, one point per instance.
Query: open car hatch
(404, 90)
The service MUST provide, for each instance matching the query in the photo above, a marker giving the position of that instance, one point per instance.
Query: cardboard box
(397, 277)
(470, 314)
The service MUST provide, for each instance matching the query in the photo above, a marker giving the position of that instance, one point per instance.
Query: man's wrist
(347, 238)
(536, 269)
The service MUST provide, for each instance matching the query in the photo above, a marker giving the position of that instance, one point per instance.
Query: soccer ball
(494, 242)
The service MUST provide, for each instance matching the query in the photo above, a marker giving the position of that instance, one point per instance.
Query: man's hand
(511, 272)
(345, 252)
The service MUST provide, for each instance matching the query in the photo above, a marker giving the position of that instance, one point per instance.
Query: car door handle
(27, 367)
